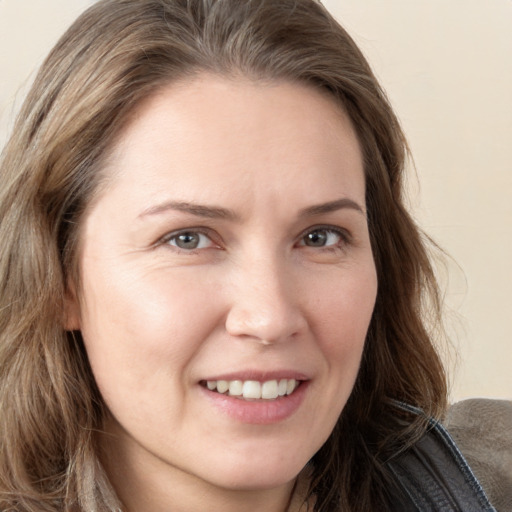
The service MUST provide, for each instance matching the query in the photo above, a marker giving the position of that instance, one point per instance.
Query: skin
(254, 296)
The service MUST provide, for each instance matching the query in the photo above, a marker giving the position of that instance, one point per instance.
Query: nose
(265, 305)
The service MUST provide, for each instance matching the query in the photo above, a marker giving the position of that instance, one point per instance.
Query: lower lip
(258, 412)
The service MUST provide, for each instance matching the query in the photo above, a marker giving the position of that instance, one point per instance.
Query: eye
(322, 237)
(189, 240)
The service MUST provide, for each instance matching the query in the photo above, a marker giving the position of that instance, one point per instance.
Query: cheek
(344, 315)
(344, 310)
(141, 335)
(143, 326)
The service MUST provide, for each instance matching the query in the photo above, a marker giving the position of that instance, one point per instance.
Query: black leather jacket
(434, 476)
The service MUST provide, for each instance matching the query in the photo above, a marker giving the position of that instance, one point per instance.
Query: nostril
(265, 323)
(265, 306)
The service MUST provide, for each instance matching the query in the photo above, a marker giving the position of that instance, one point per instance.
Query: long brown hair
(115, 55)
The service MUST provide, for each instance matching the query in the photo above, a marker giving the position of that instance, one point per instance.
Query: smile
(253, 389)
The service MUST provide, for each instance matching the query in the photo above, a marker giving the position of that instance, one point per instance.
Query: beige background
(446, 65)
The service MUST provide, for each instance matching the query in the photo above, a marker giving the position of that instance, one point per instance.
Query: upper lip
(259, 375)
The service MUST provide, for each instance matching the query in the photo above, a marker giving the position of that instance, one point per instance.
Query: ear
(71, 313)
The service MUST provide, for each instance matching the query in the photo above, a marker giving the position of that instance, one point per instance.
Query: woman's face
(230, 248)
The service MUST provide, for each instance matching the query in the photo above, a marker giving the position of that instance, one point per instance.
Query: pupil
(316, 238)
(188, 241)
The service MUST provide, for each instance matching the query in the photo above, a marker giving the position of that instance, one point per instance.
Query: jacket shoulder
(482, 429)
(434, 476)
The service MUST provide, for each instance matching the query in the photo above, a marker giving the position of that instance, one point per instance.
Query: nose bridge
(263, 304)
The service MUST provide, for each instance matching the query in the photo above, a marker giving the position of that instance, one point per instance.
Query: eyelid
(164, 240)
(344, 234)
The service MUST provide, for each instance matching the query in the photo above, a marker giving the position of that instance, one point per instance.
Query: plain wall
(446, 66)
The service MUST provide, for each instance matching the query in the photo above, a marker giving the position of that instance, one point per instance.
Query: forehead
(216, 134)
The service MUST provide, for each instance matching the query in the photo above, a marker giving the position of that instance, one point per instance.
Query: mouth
(253, 389)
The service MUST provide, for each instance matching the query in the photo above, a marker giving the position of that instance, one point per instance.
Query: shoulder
(482, 429)
(433, 475)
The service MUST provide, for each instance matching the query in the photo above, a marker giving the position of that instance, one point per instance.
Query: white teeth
(254, 390)
(290, 388)
(236, 387)
(283, 386)
(269, 390)
(222, 386)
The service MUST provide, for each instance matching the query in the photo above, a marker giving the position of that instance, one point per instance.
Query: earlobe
(71, 313)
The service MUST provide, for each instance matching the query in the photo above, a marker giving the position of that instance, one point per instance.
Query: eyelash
(166, 239)
(344, 236)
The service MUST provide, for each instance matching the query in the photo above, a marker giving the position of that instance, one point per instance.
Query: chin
(260, 473)
(258, 482)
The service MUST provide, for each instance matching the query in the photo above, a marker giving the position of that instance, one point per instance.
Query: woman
(212, 295)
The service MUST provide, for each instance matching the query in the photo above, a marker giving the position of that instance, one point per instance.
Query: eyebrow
(211, 212)
(218, 212)
(331, 206)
